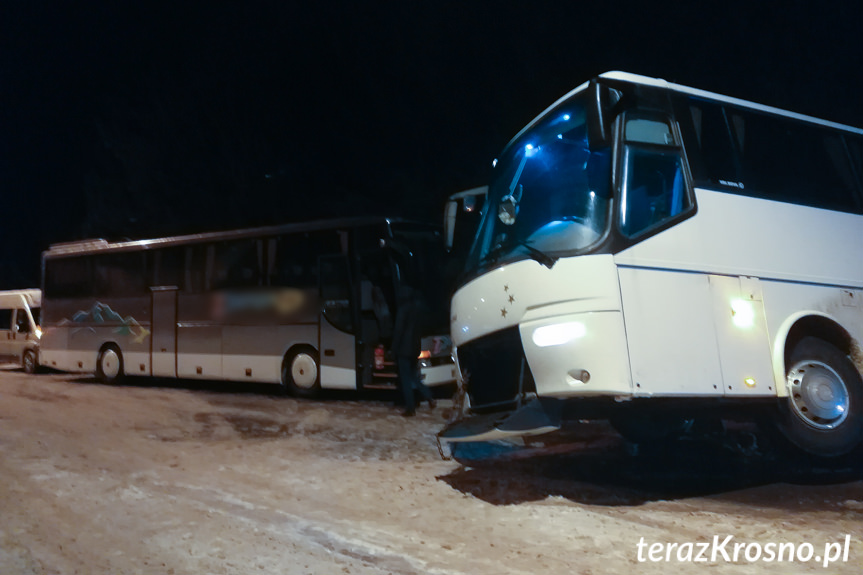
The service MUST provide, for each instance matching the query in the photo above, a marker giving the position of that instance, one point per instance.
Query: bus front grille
(497, 373)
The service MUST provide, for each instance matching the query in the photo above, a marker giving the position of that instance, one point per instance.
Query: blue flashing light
(530, 150)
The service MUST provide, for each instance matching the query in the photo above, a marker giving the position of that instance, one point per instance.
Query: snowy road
(143, 478)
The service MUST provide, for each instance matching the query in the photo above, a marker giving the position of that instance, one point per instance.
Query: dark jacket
(410, 323)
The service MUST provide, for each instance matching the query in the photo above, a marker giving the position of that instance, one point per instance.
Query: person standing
(407, 339)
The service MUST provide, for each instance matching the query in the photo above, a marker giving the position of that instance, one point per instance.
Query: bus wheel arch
(109, 364)
(824, 328)
(823, 411)
(301, 371)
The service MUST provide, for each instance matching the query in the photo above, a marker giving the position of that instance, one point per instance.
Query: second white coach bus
(650, 253)
(307, 306)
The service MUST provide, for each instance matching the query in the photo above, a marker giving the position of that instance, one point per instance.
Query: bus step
(382, 385)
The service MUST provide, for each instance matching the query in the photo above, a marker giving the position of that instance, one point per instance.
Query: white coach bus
(650, 253)
(306, 306)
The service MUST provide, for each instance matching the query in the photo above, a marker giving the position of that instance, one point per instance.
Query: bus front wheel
(109, 365)
(301, 374)
(823, 413)
(29, 361)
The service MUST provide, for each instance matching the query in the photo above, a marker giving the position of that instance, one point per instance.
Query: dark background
(124, 119)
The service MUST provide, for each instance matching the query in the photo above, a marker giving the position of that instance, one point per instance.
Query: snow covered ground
(168, 478)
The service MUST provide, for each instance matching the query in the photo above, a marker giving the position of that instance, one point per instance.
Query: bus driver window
(653, 188)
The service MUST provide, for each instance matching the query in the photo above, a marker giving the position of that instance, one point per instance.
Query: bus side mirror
(449, 221)
(601, 103)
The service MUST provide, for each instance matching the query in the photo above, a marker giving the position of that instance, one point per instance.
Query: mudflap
(534, 418)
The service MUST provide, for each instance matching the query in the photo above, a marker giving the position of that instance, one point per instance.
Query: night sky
(124, 119)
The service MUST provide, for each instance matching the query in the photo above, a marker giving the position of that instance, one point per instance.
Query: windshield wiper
(495, 253)
(539, 255)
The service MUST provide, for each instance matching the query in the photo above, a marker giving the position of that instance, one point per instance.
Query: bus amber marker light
(742, 313)
(558, 333)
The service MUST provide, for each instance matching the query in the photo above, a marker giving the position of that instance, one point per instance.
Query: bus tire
(823, 413)
(109, 364)
(29, 361)
(301, 372)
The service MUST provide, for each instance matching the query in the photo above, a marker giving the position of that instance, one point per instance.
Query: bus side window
(68, 277)
(167, 267)
(196, 269)
(236, 265)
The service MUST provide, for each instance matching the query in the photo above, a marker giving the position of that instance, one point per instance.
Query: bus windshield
(549, 195)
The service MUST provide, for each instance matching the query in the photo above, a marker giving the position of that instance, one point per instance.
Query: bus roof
(663, 84)
(659, 83)
(96, 245)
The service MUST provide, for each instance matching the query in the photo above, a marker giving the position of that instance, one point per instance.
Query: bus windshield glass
(549, 195)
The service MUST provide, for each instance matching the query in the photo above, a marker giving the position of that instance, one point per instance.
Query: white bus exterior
(651, 252)
(306, 306)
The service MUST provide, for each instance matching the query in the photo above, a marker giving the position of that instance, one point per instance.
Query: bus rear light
(424, 354)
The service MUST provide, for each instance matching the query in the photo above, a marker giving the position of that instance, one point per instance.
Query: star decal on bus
(510, 298)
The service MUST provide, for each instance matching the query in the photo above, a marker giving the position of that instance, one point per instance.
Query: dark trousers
(409, 379)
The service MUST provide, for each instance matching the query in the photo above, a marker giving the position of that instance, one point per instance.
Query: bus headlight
(558, 333)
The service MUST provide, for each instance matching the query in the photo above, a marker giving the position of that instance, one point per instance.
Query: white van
(19, 327)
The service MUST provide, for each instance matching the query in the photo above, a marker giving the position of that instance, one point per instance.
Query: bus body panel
(338, 357)
(742, 252)
(526, 290)
(670, 335)
(745, 236)
(569, 319)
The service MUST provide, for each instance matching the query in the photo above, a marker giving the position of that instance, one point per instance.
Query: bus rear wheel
(109, 365)
(301, 373)
(823, 413)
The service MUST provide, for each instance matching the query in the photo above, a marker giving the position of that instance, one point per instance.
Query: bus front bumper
(536, 417)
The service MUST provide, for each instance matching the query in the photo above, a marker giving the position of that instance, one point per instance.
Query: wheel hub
(110, 364)
(818, 395)
(304, 371)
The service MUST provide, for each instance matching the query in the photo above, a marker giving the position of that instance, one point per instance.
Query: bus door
(337, 345)
(374, 337)
(163, 340)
